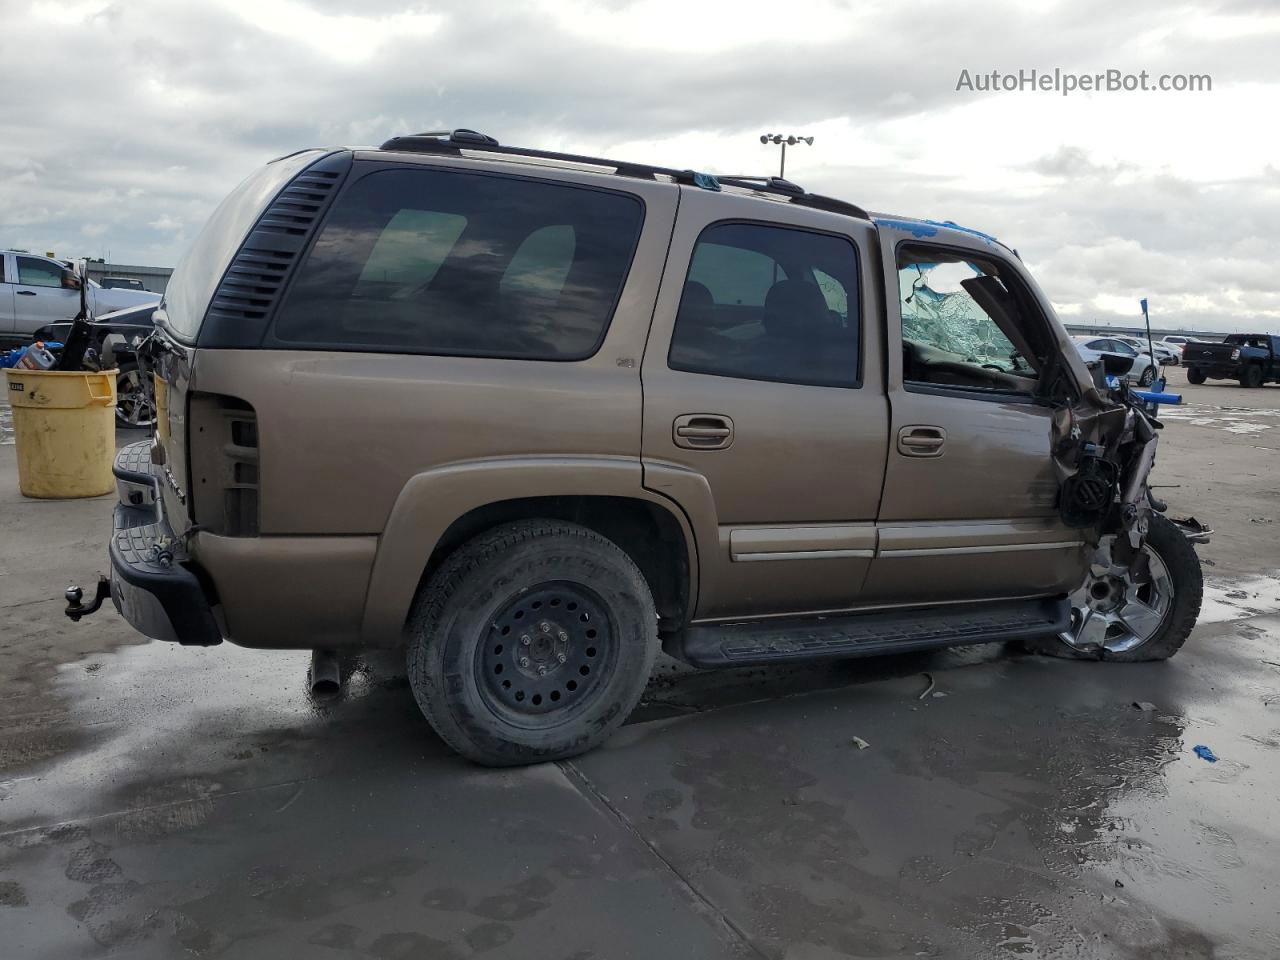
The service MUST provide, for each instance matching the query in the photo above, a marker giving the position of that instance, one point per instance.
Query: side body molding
(432, 500)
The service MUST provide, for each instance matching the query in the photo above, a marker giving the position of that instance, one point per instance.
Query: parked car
(122, 283)
(1168, 353)
(1164, 353)
(124, 331)
(40, 290)
(1251, 358)
(1142, 371)
(527, 416)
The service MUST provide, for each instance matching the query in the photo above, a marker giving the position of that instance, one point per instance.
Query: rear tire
(1252, 376)
(1195, 375)
(1179, 558)
(532, 642)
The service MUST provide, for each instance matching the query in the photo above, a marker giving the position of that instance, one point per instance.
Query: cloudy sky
(125, 121)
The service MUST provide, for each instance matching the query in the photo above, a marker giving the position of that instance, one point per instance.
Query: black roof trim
(454, 142)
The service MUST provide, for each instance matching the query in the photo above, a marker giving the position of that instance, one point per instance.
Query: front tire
(1148, 377)
(1136, 621)
(532, 642)
(1195, 375)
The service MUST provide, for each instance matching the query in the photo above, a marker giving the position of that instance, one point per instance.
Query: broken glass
(936, 310)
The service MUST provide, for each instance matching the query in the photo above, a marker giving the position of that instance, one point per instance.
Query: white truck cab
(37, 290)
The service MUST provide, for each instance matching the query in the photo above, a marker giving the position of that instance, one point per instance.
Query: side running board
(867, 634)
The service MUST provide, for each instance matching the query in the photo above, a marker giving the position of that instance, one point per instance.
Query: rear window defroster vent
(242, 304)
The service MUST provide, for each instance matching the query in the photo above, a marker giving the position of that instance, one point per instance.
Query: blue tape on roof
(929, 228)
(916, 228)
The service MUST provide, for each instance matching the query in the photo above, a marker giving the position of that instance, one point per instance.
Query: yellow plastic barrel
(64, 428)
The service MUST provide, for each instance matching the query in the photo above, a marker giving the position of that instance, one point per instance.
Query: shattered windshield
(938, 311)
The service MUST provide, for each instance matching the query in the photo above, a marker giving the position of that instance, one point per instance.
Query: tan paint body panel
(786, 543)
(348, 441)
(272, 589)
(801, 455)
(434, 499)
(946, 560)
(995, 462)
(366, 459)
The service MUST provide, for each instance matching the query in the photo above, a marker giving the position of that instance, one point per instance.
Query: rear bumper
(154, 584)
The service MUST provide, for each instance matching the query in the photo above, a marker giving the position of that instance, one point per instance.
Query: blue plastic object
(11, 358)
(1204, 753)
(1150, 397)
(706, 181)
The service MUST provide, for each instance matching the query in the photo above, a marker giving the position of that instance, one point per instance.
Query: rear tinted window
(433, 261)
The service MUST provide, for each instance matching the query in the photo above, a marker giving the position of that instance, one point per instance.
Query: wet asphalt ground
(157, 801)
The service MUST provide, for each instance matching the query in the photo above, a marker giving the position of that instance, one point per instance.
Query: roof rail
(773, 183)
(453, 142)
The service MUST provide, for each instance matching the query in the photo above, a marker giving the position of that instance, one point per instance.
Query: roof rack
(453, 142)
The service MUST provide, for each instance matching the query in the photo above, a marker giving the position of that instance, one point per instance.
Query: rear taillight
(1235, 354)
(223, 446)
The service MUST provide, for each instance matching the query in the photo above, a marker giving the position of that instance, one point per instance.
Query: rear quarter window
(196, 276)
(465, 264)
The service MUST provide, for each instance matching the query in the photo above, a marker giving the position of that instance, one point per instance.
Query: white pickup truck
(39, 290)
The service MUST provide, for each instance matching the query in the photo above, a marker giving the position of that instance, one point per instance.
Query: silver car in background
(1143, 371)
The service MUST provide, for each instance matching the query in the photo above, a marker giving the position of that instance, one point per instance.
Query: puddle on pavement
(1239, 599)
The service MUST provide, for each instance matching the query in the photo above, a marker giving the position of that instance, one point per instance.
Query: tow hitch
(76, 609)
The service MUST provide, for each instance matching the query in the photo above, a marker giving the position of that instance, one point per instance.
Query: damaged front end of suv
(1143, 583)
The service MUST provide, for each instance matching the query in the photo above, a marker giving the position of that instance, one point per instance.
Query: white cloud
(348, 38)
(157, 109)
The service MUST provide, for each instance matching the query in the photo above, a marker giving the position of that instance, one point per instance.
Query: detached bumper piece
(153, 583)
(1192, 529)
(865, 634)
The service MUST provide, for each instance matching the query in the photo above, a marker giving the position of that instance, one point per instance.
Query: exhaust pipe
(326, 674)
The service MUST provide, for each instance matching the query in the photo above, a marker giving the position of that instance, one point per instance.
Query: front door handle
(920, 440)
(26, 293)
(702, 431)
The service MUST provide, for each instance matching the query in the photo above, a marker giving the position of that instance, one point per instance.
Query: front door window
(959, 323)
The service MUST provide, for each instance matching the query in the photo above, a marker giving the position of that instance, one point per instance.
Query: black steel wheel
(547, 650)
(532, 642)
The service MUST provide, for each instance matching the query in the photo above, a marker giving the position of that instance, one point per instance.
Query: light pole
(784, 141)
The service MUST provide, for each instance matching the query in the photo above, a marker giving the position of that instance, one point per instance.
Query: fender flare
(431, 501)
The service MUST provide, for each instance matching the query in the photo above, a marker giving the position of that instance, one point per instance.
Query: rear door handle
(920, 440)
(702, 431)
(26, 293)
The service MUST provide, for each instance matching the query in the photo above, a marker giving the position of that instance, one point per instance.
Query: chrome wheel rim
(1117, 613)
(135, 404)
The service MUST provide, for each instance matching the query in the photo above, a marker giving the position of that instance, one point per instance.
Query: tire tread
(430, 611)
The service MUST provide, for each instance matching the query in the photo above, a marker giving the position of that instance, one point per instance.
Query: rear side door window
(770, 303)
(464, 264)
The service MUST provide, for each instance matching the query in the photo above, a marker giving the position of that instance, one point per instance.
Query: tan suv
(531, 416)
